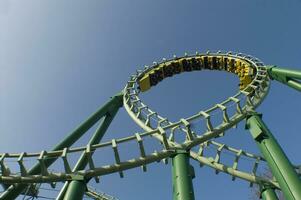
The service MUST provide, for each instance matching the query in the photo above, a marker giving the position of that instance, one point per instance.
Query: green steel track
(170, 143)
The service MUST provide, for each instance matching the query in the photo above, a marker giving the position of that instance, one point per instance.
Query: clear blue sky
(61, 60)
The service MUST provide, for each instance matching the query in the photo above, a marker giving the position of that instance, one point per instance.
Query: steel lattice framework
(188, 138)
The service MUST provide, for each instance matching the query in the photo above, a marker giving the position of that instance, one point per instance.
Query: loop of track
(244, 100)
(163, 131)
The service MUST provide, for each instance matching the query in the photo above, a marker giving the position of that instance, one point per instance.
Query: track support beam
(278, 162)
(14, 191)
(76, 190)
(83, 161)
(288, 77)
(182, 175)
(78, 187)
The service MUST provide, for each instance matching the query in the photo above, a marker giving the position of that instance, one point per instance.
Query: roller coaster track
(194, 134)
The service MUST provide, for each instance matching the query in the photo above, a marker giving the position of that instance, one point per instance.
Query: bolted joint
(288, 77)
(270, 72)
(251, 114)
(264, 186)
(255, 125)
(281, 77)
(118, 98)
(117, 103)
(180, 151)
(78, 177)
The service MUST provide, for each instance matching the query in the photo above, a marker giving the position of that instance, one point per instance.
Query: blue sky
(61, 60)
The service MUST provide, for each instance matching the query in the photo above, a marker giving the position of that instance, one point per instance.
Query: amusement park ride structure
(180, 141)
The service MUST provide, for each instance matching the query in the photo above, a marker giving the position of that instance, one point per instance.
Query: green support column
(279, 164)
(182, 174)
(287, 76)
(268, 193)
(77, 188)
(78, 191)
(14, 191)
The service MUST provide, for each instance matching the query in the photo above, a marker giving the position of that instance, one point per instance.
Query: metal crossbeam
(253, 89)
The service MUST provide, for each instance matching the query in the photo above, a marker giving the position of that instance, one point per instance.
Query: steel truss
(179, 151)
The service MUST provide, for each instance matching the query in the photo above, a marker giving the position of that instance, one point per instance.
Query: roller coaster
(189, 138)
